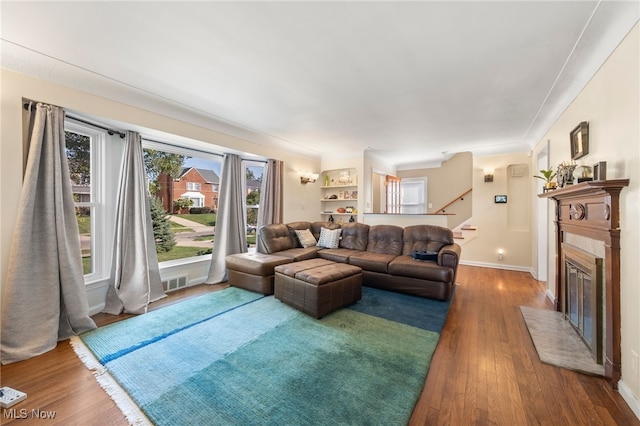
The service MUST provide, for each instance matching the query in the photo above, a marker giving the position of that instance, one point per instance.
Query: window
(183, 185)
(85, 151)
(412, 191)
(193, 186)
(392, 184)
(253, 183)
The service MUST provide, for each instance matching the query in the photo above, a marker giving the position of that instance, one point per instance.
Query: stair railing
(455, 200)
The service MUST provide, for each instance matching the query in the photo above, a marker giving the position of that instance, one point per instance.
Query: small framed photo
(500, 199)
(600, 170)
(579, 140)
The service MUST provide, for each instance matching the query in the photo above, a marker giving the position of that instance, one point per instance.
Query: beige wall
(611, 105)
(453, 178)
(500, 225)
(301, 202)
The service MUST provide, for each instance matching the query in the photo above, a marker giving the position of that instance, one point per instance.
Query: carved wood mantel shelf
(591, 209)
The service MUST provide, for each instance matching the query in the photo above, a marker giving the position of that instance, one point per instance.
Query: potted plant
(547, 176)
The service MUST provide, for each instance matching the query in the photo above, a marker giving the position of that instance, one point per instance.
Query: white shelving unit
(339, 191)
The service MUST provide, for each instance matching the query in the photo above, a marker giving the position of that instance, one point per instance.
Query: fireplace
(590, 210)
(581, 285)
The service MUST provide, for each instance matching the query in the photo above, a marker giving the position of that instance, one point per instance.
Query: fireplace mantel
(591, 209)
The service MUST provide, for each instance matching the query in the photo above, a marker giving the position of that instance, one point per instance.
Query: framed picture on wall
(579, 140)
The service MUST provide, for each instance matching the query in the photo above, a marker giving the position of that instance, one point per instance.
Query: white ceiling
(409, 81)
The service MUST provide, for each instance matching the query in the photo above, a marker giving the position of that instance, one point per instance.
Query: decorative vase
(326, 180)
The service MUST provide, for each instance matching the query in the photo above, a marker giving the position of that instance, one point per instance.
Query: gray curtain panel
(44, 299)
(135, 276)
(270, 210)
(231, 230)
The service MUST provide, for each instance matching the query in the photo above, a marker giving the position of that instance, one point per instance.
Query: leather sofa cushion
(407, 266)
(274, 238)
(374, 262)
(255, 263)
(385, 239)
(355, 236)
(299, 254)
(425, 238)
(328, 273)
(291, 269)
(337, 255)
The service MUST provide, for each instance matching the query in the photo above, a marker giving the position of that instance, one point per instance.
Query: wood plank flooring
(484, 371)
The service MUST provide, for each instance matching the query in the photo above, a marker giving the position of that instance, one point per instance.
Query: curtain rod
(110, 131)
(122, 135)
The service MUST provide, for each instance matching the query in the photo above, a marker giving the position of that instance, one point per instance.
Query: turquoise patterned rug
(234, 357)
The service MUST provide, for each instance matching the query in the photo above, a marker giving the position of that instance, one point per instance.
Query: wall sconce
(488, 175)
(308, 178)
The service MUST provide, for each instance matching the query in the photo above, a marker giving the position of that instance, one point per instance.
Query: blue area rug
(234, 357)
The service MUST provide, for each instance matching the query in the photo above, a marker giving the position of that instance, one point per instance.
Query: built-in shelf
(341, 184)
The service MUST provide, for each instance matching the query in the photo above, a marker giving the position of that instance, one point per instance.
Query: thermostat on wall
(501, 199)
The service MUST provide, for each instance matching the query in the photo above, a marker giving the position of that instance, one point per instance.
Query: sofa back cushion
(386, 239)
(425, 238)
(274, 238)
(316, 227)
(355, 236)
(297, 226)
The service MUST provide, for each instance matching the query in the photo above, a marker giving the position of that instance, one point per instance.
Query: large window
(85, 151)
(183, 185)
(253, 183)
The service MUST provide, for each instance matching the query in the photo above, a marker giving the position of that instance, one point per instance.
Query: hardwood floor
(484, 371)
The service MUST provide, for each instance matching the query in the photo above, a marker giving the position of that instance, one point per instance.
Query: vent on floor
(174, 283)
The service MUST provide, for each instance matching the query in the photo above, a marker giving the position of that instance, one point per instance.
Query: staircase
(464, 233)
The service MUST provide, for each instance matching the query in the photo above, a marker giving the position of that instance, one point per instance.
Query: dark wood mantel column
(591, 209)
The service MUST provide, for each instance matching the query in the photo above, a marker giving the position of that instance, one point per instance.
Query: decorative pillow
(306, 238)
(329, 238)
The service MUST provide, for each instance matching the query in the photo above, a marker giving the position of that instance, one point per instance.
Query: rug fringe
(129, 408)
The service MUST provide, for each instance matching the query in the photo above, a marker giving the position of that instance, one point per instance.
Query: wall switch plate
(10, 397)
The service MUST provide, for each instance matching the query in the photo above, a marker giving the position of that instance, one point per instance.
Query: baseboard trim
(497, 266)
(550, 296)
(630, 398)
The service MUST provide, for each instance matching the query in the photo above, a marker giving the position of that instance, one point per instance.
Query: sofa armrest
(449, 256)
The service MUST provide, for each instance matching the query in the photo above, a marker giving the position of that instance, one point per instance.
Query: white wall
(611, 104)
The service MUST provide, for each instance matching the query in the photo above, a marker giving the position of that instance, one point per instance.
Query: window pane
(184, 203)
(78, 149)
(79, 160)
(83, 215)
(253, 184)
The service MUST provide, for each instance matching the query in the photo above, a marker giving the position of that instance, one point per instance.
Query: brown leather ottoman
(253, 271)
(318, 286)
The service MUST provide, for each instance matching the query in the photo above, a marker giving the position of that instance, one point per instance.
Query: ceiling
(408, 82)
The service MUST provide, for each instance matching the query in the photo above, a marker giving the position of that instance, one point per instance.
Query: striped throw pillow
(329, 238)
(306, 238)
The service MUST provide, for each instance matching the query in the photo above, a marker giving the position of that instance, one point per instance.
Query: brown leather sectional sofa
(384, 252)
